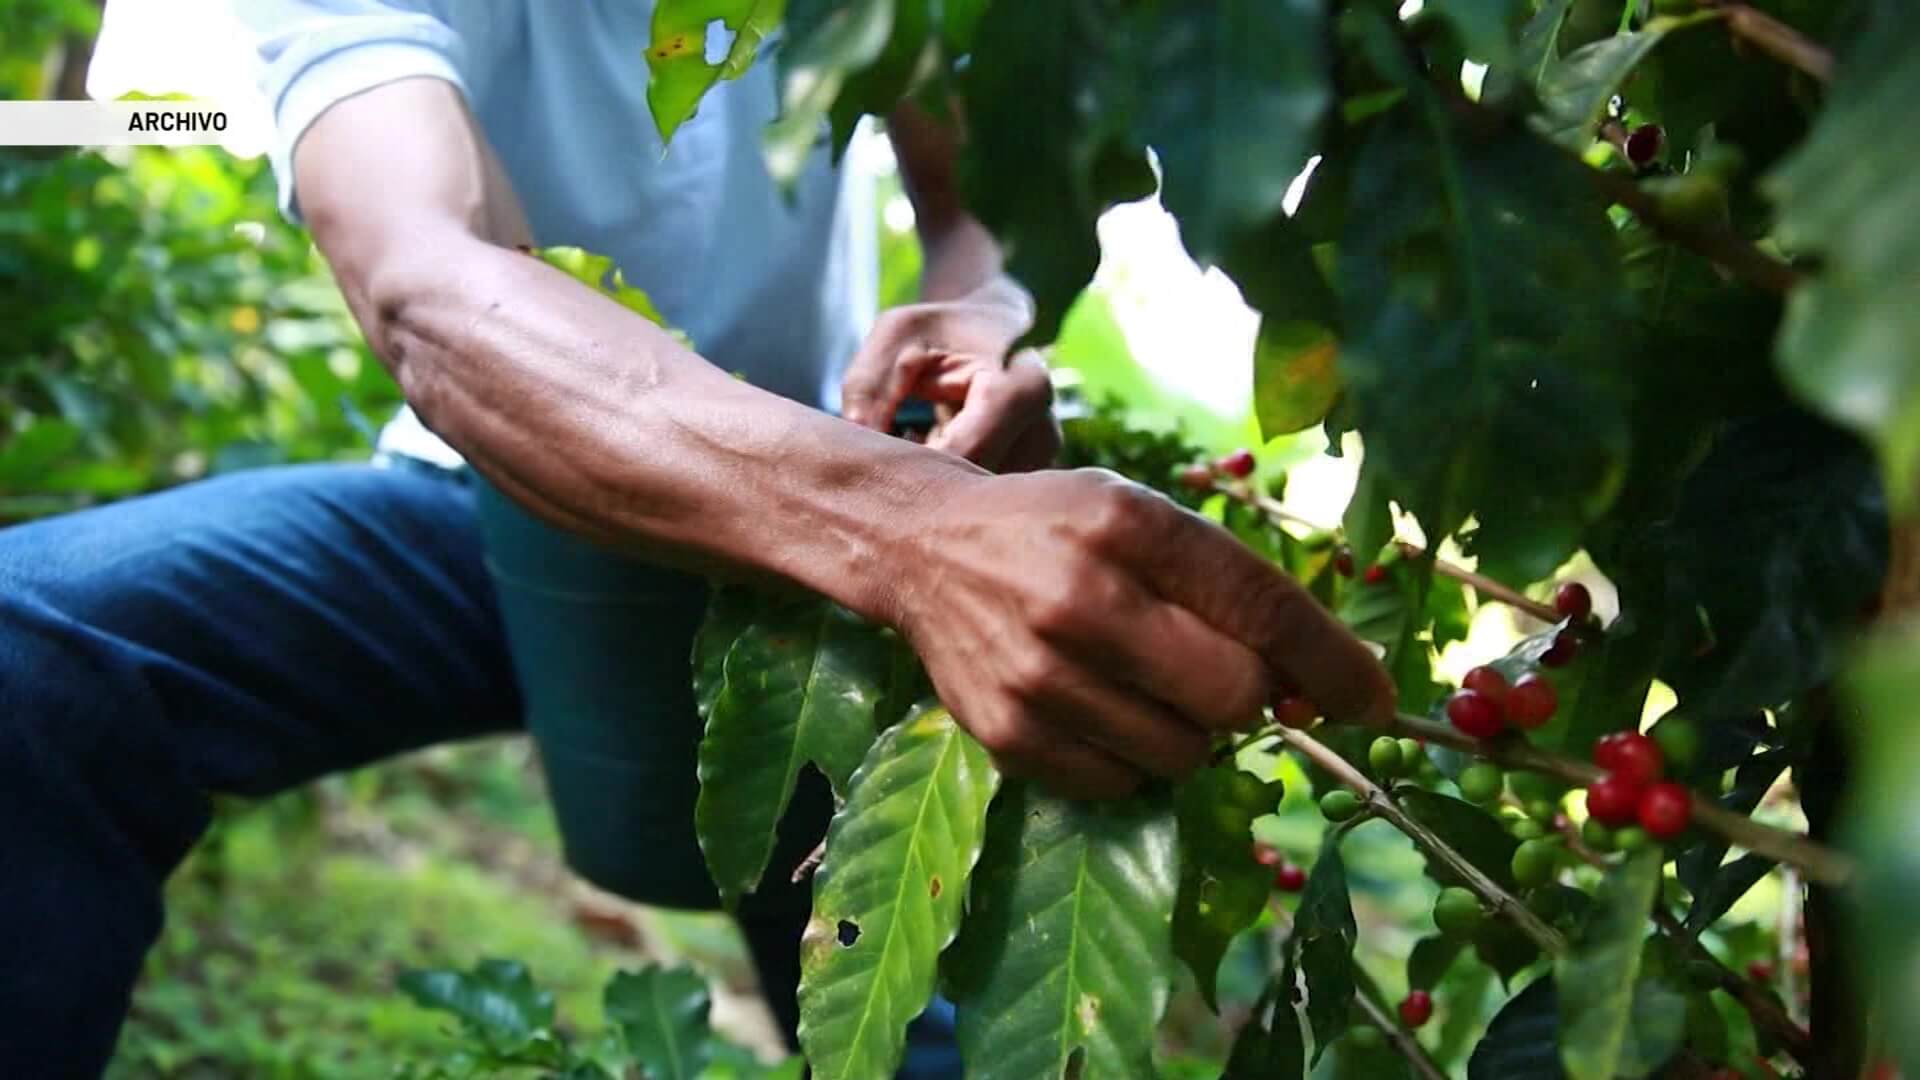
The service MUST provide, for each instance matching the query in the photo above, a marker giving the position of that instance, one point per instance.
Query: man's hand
(955, 354)
(1089, 632)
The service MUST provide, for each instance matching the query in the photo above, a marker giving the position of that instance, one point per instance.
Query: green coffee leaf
(1484, 27)
(1065, 961)
(1222, 888)
(798, 681)
(1884, 683)
(1522, 1043)
(1392, 614)
(1458, 239)
(1466, 828)
(1427, 964)
(1270, 1046)
(1539, 50)
(1323, 938)
(1239, 91)
(661, 1015)
(1851, 196)
(1574, 92)
(678, 72)
(889, 893)
(826, 43)
(496, 1000)
(1294, 378)
(1805, 507)
(599, 272)
(1598, 975)
(1725, 888)
(1046, 117)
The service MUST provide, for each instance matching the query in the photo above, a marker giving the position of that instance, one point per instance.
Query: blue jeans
(241, 636)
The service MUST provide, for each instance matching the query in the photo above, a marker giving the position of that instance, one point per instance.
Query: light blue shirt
(773, 287)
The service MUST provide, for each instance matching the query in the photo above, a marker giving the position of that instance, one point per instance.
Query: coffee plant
(656, 1023)
(1635, 279)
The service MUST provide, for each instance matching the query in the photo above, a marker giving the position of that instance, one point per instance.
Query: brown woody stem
(1716, 243)
(1761, 1006)
(1776, 39)
(1816, 861)
(811, 863)
(1381, 804)
(1479, 583)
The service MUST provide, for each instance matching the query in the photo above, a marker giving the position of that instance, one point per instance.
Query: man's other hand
(954, 354)
(1091, 633)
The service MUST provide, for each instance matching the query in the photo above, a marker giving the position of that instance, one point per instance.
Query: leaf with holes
(1239, 91)
(661, 1017)
(1597, 975)
(1066, 962)
(801, 681)
(889, 893)
(1222, 888)
(678, 74)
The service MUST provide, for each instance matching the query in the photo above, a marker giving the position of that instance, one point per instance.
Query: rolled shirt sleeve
(315, 53)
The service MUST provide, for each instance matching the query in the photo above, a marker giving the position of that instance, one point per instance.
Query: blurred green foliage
(31, 54)
(159, 322)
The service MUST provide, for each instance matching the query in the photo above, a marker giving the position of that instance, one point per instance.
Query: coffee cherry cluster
(1287, 876)
(1631, 790)
(1485, 704)
(1199, 475)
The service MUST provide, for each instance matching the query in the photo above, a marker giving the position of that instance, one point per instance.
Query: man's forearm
(602, 423)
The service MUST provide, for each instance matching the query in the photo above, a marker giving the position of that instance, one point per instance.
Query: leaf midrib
(1073, 949)
(948, 741)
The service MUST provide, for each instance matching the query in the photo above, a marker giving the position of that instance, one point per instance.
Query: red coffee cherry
(1613, 800)
(1196, 477)
(1573, 601)
(1289, 878)
(1665, 810)
(1488, 683)
(1416, 1008)
(1643, 144)
(1531, 702)
(1295, 712)
(1760, 971)
(1343, 562)
(1238, 464)
(1475, 714)
(1631, 755)
(1375, 574)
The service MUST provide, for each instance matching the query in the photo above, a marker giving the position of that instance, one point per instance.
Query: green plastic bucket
(602, 645)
